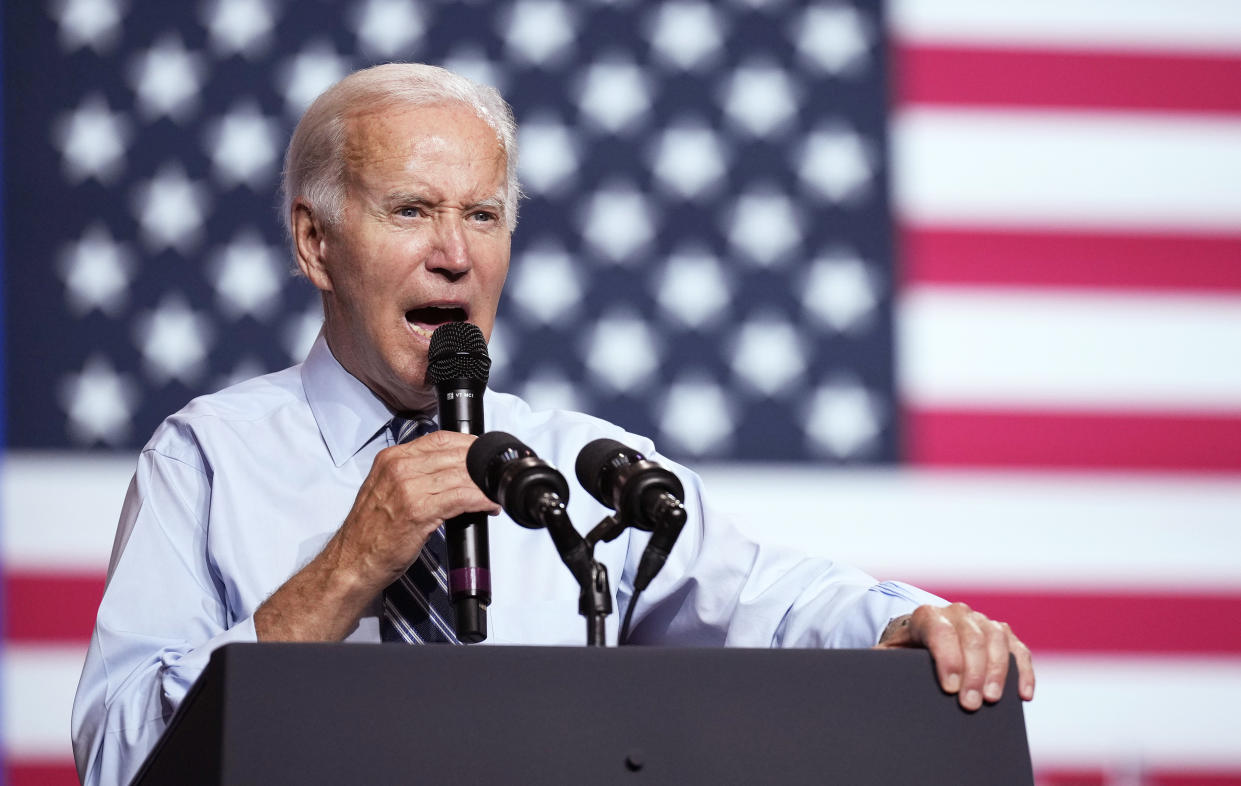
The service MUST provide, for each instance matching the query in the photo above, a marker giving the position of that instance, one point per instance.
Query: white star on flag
(174, 341)
(621, 351)
(301, 330)
(833, 38)
(688, 159)
(547, 388)
(247, 275)
(841, 291)
(546, 285)
(98, 403)
(615, 95)
(243, 146)
(92, 140)
(548, 157)
(697, 416)
(688, 35)
(171, 209)
(308, 73)
(765, 226)
(388, 28)
(836, 163)
(239, 26)
(96, 271)
(843, 419)
(167, 79)
(618, 222)
(90, 23)
(693, 289)
(538, 31)
(768, 354)
(472, 63)
(760, 99)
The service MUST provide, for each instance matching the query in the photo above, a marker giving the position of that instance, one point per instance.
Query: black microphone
(532, 492)
(458, 365)
(643, 494)
(513, 477)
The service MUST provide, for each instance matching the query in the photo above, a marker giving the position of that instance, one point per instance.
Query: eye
(484, 216)
(410, 211)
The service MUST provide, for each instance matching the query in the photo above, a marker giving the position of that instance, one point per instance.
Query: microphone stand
(595, 601)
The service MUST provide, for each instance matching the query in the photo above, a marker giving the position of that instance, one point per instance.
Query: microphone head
(598, 464)
(516, 479)
(489, 453)
(458, 351)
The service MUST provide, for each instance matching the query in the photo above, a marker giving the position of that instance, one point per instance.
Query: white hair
(314, 164)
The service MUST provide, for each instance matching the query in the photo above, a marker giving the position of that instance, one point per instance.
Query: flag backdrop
(956, 284)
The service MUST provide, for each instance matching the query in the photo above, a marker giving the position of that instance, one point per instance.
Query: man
(279, 509)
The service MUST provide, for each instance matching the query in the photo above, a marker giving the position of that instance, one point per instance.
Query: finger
(456, 499)
(997, 658)
(1025, 666)
(430, 455)
(973, 644)
(932, 628)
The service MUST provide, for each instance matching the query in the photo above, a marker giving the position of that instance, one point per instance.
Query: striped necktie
(416, 607)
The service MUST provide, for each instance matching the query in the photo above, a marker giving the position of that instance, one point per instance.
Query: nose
(451, 255)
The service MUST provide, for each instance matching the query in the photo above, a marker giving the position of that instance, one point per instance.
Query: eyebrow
(495, 203)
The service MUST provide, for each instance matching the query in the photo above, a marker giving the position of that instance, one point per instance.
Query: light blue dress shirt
(240, 489)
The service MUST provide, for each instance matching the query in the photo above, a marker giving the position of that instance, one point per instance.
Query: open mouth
(428, 318)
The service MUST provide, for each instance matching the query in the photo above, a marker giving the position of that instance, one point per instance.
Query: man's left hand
(970, 651)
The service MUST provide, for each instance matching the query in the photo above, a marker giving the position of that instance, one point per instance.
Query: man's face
(422, 241)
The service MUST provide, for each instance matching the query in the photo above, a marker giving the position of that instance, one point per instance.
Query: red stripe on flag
(1061, 258)
(1170, 623)
(40, 772)
(1144, 776)
(980, 76)
(51, 607)
(1073, 440)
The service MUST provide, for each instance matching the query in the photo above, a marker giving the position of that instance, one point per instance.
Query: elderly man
(279, 509)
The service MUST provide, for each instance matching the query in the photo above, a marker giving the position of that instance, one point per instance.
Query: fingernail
(992, 691)
(953, 683)
(973, 699)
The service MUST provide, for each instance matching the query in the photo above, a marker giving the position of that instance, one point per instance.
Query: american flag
(957, 283)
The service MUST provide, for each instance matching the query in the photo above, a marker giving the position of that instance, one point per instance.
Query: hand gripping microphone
(532, 492)
(643, 494)
(458, 365)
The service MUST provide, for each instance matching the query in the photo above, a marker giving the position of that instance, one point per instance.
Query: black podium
(378, 714)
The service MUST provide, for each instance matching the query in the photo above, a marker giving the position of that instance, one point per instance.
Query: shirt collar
(348, 414)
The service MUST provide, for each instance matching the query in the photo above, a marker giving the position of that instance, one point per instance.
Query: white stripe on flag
(1066, 169)
(1127, 25)
(38, 687)
(60, 509)
(1157, 713)
(1043, 350)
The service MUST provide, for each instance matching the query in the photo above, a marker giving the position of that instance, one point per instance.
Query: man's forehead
(398, 129)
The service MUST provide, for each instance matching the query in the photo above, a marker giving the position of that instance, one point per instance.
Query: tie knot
(407, 429)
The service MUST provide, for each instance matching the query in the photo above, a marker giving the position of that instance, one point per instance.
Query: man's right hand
(411, 490)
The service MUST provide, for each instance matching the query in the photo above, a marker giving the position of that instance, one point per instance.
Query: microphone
(458, 365)
(643, 494)
(512, 476)
(532, 492)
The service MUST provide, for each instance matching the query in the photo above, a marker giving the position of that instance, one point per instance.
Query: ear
(310, 243)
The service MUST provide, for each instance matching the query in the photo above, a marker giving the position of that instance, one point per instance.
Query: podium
(377, 714)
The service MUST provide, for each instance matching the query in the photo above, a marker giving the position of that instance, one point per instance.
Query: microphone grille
(487, 448)
(597, 464)
(458, 351)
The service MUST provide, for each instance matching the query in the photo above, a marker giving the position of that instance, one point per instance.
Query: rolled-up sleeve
(163, 613)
